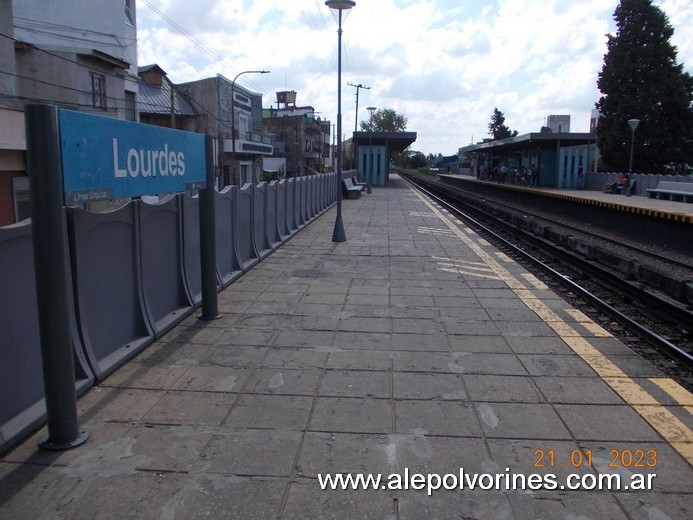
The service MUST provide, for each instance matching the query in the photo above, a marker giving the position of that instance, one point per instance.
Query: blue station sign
(106, 158)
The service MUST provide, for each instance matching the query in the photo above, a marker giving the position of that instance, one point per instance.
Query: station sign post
(75, 158)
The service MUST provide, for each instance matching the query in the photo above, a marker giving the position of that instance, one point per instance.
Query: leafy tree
(640, 79)
(385, 120)
(497, 128)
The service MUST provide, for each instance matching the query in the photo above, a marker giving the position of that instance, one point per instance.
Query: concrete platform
(414, 347)
(670, 210)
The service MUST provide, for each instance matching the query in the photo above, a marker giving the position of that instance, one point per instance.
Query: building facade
(233, 115)
(299, 135)
(74, 54)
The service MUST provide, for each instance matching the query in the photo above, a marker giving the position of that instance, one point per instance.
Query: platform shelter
(373, 151)
(556, 156)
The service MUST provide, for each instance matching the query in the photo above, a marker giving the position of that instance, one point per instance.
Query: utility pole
(357, 87)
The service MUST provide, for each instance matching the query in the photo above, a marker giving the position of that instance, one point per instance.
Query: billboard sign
(106, 158)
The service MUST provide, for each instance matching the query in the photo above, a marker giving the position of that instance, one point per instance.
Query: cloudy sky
(443, 64)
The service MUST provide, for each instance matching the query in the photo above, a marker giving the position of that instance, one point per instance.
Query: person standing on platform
(581, 176)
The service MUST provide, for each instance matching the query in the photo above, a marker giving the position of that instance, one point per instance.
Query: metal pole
(208, 251)
(632, 142)
(338, 235)
(50, 264)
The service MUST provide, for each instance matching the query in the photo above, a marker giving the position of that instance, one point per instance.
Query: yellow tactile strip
(677, 434)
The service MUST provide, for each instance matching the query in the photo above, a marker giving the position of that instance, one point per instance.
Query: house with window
(76, 55)
(298, 135)
(233, 115)
(160, 102)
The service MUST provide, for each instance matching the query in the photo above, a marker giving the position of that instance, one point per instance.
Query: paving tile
(421, 453)
(145, 376)
(253, 452)
(414, 505)
(309, 501)
(117, 404)
(271, 412)
(426, 362)
(646, 506)
(363, 340)
(606, 423)
(360, 360)
(408, 385)
(283, 381)
(336, 414)
(576, 390)
(352, 383)
(206, 378)
(538, 345)
(426, 342)
(297, 358)
(503, 389)
(192, 408)
(490, 363)
(475, 343)
(556, 365)
(566, 504)
(346, 453)
(416, 325)
(223, 496)
(521, 421)
(436, 418)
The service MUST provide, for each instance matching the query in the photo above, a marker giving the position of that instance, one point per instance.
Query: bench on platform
(672, 190)
(349, 191)
(626, 190)
(356, 182)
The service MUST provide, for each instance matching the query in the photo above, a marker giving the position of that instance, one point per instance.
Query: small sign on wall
(106, 158)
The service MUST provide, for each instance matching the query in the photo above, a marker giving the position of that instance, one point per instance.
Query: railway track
(661, 322)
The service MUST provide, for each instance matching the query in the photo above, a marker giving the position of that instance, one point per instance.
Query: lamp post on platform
(633, 123)
(233, 117)
(370, 148)
(337, 6)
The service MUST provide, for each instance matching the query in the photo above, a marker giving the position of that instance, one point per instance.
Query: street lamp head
(633, 123)
(337, 6)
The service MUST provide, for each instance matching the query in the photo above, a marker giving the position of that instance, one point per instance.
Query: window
(98, 90)
(243, 126)
(22, 207)
(128, 13)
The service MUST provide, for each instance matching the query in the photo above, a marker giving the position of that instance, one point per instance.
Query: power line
(359, 86)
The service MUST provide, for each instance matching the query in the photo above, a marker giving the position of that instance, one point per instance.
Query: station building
(556, 156)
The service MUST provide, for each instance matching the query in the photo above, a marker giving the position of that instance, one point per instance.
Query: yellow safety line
(677, 434)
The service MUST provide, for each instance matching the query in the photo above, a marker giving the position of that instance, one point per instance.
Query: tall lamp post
(633, 123)
(370, 148)
(233, 117)
(337, 6)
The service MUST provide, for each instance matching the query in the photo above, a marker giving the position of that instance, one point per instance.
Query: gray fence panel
(191, 247)
(22, 407)
(247, 254)
(273, 234)
(323, 192)
(313, 196)
(300, 201)
(228, 262)
(291, 223)
(21, 377)
(305, 193)
(298, 214)
(106, 266)
(163, 281)
(282, 224)
(262, 243)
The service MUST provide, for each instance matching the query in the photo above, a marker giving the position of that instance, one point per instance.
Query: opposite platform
(414, 347)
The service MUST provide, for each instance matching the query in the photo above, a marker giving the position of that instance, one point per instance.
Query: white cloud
(444, 64)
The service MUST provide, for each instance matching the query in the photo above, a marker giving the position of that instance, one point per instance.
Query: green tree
(640, 79)
(385, 120)
(497, 129)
